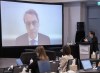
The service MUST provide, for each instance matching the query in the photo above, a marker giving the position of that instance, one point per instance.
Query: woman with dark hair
(93, 41)
(41, 55)
(65, 57)
(40, 51)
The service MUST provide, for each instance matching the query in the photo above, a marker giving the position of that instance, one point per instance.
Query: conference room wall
(73, 12)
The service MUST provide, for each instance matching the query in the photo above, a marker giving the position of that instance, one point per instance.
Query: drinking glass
(94, 65)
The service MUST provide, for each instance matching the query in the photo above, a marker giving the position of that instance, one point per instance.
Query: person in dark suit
(32, 37)
(93, 42)
(41, 55)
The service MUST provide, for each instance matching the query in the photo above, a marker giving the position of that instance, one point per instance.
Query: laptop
(86, 64)
(87, 67)
(19, 62)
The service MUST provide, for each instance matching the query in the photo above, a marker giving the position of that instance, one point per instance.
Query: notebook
(19, 62)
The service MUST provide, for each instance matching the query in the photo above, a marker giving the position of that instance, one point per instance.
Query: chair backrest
(70, 61)
(51, 54)
(54, 66)
(1, 70)
(29, 50)
(84, 51)
(44, 66)
(26, 56)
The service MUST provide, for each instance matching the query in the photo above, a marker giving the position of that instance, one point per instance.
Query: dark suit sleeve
(34, 66)
(94, 44)
(22, 40)
(43, 39)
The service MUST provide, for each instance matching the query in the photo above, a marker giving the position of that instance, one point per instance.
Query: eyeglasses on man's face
(33, 23)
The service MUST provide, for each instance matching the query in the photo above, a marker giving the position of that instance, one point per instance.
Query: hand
(99, 64)
(85, 40)
(31, 61)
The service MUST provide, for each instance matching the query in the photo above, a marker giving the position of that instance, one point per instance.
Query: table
(54, 69)
(53, 64)
(92, 71)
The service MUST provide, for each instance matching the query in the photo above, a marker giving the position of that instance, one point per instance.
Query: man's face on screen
(32, 25)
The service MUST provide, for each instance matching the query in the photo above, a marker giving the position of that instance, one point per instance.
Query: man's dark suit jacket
(34, 66)
(23, 40)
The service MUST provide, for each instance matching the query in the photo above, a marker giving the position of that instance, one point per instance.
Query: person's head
(41, 53)
(31, 21)
(91, 34)
(66, 50)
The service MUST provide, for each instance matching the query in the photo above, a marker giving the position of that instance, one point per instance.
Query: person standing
(93, 40)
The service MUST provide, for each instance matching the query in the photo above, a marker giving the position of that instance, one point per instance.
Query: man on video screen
(32, 37)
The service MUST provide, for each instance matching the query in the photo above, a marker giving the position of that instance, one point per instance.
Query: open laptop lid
(19, 62)
(86, 64)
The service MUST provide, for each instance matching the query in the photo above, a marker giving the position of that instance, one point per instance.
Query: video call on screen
(13, 25)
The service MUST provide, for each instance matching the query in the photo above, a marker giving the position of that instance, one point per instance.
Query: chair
(59, 54)
(1, 70)
(29, 50)
(70, 66)
(70, 61)
(51, 54)
(54, 66)
(26, 56)
(44, 66)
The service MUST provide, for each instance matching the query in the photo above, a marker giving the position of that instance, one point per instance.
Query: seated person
(65, 57)
(41, 55)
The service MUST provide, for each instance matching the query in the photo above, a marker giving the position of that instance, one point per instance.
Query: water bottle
(29, 70)
(57, 58)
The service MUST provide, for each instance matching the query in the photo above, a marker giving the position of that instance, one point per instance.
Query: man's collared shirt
(36, 40)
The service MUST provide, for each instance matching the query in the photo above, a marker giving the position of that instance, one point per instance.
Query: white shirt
(64, 60)
(36, 39)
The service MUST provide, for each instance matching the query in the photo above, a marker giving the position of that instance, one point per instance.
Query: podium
(84, 50)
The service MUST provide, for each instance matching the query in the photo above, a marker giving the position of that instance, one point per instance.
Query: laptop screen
(86, 64)
(19, 62)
